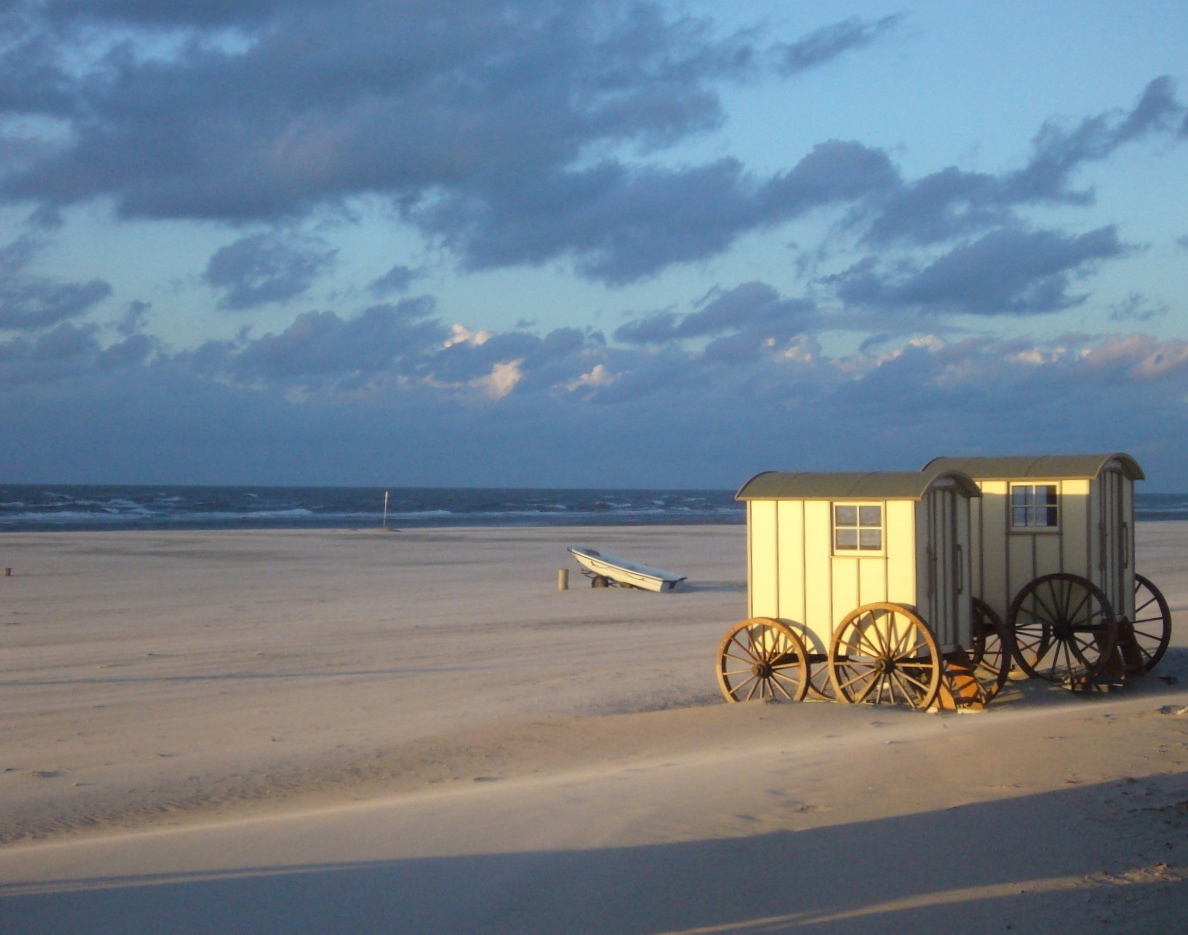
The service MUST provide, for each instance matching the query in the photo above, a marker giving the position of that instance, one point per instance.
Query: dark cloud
(752, 305)
(835, 171)
(827, 43)
(1007, 272)
(30, 303)
(1058, 151)
(1137, 307)
(134, 319)
(478, 119)
(383, 338)
(398, 279)
(166, 12)
(952, 203)
(623, 224)
(334, 99)
(265, 268)
(344, 400)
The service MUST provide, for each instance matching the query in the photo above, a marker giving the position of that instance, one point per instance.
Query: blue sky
(539, 242)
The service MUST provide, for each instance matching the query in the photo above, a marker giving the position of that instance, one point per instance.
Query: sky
(587, 243)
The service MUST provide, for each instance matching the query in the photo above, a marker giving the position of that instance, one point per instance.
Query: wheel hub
(762, 670)
(884, 665)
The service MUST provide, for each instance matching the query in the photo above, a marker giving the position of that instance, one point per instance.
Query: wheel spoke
(875, 649)
(909, 634)
(923, 686)
(869, 673)
(746, 657)
(912, 698)
(1074, 615)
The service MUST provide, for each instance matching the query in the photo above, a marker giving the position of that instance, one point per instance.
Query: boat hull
(624, 572)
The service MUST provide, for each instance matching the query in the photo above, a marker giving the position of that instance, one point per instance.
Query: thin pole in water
(385, 509)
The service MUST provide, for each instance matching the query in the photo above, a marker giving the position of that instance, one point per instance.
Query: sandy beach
(370, 731)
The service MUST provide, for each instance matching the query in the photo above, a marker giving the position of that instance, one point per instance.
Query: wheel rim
(990, 649)
(884, 654)
(762, 658)
(1152, 622)
(1063, 629)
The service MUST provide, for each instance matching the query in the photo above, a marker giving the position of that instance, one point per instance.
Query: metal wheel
(1152, 622)
(884, 653)
(1063, 629)
(762, 658)
(990, 649)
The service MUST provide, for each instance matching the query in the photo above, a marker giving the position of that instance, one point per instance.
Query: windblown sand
(368, 731)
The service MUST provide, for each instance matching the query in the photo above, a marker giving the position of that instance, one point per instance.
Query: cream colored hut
(866, 576)
(1057, 513)
(1054, 556)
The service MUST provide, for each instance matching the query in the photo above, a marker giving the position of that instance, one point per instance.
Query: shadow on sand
(1109, 858)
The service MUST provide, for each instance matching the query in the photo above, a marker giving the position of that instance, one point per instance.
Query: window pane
(871, 539)
(1020, 496)
(845, 515)
(846, 539)
(1045, 494)
(1019, 516)
(1048, 516)
(870, 516)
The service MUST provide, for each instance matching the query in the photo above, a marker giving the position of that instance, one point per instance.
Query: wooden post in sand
(562, 579)
(385, 523)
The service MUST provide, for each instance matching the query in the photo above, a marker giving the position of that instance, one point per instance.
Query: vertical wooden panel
(818, 548)
(872, 581)
(1075, 527)
(901, 552)
(1114, 538)
(1127, 599)
(963, 621)
(762, 533)
(1048, 553)
(845, 586)
(976, 575)
(994, 551)
(790, 516)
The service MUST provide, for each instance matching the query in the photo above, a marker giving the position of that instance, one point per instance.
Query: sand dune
(361, 731)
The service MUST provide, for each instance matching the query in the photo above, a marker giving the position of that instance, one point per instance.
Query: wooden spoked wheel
(1063, 629)
(990, 649)
(884, 654)
(1152, 622)
(762, 658)
(820, 686)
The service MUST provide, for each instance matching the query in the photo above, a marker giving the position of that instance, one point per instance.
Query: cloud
(827, 43)
(30, 303)
(381, 339)
(753, 305)
(311, 104)
(952, 203)
(398, 279)
(315, 102)
(1137, 307)
(264, 268)
(342, 399)
(1006, 272)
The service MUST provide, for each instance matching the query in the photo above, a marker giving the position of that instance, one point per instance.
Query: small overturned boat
(604, 569)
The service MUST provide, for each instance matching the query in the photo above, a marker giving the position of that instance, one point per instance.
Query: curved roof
(1049, 467)
(872, 485)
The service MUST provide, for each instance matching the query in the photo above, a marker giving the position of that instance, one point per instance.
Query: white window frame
(859, 526)
(1032, 509)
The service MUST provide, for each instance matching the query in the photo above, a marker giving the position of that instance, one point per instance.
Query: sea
(43, 507)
